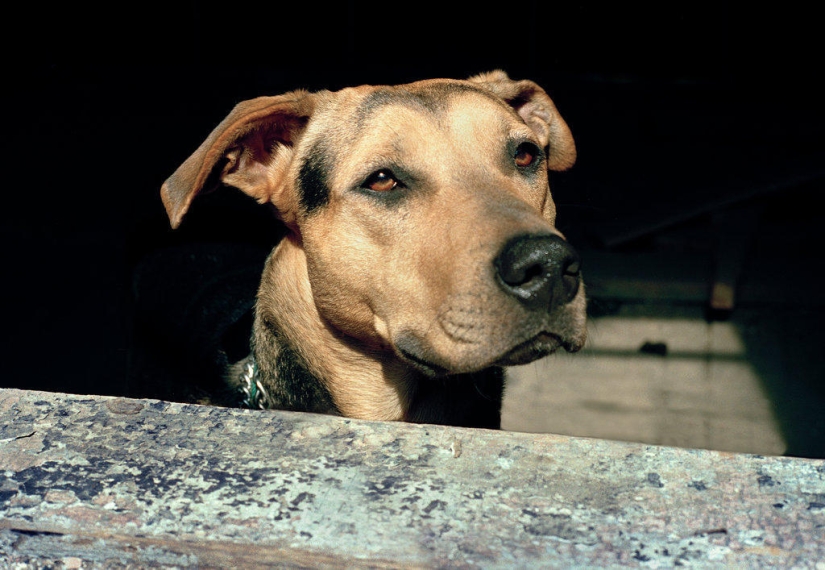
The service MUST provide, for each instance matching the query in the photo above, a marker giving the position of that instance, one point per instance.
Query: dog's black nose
(541, 271)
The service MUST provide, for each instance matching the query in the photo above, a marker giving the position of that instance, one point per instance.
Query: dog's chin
(525, 352)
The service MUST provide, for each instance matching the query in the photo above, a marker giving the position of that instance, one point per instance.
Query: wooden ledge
(99, 482)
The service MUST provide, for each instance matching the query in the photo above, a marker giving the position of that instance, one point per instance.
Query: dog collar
(253, 394)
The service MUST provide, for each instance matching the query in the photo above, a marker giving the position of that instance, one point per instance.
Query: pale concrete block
(684, 331)
(686, 402)
(703, 394)
(617, 334)
(686, 375)
(583, 422)
(744, 435)
(618, 425)
(534, 384)
(683, 336)
(605, 382)
(530, 419)
(690, 430)
(726, 339)
(736, 391)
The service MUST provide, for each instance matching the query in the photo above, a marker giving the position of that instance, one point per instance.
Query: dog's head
(423, 211)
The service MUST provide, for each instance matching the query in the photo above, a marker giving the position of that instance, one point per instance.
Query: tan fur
(353, 377)
(358, 279)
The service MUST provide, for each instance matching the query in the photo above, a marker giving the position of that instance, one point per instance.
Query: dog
(421, 255)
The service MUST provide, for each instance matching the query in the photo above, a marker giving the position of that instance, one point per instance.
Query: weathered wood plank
(115, 483)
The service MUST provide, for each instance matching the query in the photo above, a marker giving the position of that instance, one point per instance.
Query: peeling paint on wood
(97, 482)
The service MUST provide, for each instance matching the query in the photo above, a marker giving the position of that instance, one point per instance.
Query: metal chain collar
(253, 394)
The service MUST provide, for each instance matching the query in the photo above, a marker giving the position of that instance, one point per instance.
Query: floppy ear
(250, 150)
(536, 108)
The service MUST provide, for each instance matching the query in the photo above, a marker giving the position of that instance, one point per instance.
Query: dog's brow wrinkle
(382, 98)
(434, 98)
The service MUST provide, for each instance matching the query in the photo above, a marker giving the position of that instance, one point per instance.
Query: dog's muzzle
(538, 308)
(540, 271)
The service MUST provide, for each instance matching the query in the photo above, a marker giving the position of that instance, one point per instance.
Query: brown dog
(421, 255)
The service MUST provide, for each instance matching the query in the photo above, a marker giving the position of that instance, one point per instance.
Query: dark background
(680, 110)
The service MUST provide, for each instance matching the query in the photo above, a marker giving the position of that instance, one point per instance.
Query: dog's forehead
(422, 114)
(431, 94)
(434, 99)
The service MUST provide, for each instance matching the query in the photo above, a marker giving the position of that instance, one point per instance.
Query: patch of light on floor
(696, 389)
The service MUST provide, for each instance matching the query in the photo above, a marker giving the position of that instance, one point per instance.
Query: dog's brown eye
(381, 181)
(525, 155)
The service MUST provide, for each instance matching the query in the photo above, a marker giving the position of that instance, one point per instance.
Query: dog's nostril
(516, 275)
(541, 271)
(534, 272)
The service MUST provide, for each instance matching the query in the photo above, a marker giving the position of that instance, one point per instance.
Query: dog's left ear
(536, 109)
(250, 150)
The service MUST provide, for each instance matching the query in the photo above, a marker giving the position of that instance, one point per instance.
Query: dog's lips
(532, 349)
(425, 366)
(535, 347)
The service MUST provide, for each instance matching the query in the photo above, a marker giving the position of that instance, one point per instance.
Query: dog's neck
(288, 320)
(305, 364)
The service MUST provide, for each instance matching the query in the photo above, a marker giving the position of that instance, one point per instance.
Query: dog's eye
(525, 154)
(381, 181)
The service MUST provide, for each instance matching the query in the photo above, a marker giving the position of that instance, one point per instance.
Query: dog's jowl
(421, 255)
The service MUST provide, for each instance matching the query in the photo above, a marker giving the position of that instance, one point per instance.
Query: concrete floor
(664, 377)
(656, 370)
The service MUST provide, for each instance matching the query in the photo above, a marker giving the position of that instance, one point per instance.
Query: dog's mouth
(425, 366)
(539, 346)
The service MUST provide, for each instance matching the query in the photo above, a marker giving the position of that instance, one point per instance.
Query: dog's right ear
(250, 150)
(538, 111)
